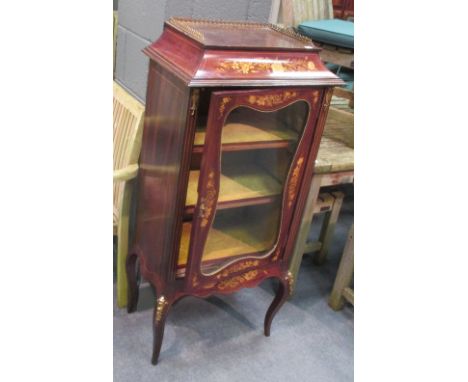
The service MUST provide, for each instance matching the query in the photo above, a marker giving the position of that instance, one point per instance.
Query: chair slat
(127, 131)
(128, 116)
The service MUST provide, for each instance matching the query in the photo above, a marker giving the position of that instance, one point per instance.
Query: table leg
(328, 228)
(344, 275)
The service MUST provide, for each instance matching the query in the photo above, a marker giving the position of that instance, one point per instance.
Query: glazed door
(254, 152)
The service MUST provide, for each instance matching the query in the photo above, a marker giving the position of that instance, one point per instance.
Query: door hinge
(194, 103)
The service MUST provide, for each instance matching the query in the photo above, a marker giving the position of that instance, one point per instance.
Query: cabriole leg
(159, 321)
(284, 290)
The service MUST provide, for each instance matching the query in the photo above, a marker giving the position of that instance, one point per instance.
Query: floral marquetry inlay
(276, 255)
(224, 102)
(271, 99)
(238, 267)
(265, 66)
(207, 201)
(292, 188)
(237, 280)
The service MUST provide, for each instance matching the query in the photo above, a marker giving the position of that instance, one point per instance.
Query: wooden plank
(342, 104)
(336, 152)
(334, 156)
(344, 275)
(348, 294)
(123, 244)
(333, 179)
(343, 93)
(312, 246)
(324, 203)
(131, 104)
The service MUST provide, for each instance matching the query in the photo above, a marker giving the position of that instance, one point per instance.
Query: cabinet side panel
(160, 165)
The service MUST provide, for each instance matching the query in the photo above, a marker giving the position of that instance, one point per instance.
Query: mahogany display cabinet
(234, 116)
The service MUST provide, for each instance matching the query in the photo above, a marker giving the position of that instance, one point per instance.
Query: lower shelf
(228, 240)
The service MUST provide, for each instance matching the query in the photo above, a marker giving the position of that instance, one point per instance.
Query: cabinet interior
(257, 149)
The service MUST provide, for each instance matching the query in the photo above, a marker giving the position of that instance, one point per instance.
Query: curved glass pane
(257, 151)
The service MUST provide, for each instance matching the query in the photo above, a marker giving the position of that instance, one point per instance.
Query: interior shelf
(230, 239)
(240, 185)
(257, 133)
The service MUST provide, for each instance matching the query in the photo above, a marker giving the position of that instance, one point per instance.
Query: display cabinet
(234, 116)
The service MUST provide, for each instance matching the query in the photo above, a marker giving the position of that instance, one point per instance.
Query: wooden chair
(128, 129)
(342, 287)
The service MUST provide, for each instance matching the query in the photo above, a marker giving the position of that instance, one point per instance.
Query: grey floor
(221, 338)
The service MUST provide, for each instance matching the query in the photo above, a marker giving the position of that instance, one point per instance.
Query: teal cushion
(335, 32)
(346, 75)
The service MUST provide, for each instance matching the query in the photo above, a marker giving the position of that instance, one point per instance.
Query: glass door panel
(257, 149)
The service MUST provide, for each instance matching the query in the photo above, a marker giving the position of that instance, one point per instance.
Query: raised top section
(241, 35)
(220, 53)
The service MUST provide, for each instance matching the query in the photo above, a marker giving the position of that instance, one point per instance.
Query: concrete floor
(221, 338)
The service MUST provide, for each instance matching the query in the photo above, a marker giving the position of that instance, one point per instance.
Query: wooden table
(334, 166)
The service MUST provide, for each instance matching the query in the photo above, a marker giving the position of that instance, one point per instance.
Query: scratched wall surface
(141, 22)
